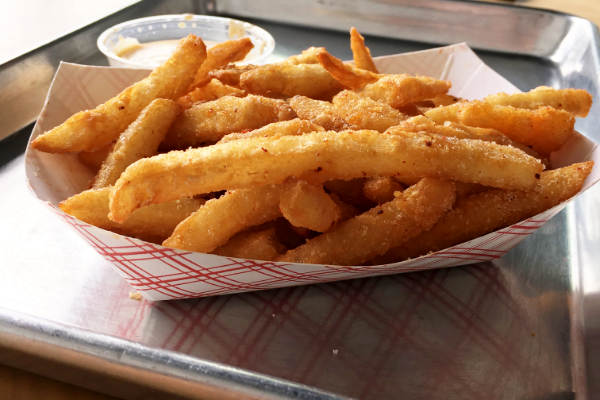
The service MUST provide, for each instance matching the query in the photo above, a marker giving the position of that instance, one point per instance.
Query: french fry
(220, 219)
(308, 56)
(141, 139)
(350, 191)
(276, 129)
(545, 130)
(230, 74)
(575, 101)
(319, 112)
(401, 90)
(381, 189)
(92, 129)
(347, 75)
(374, 232)
(365, 113)
(153, 223)
(211, 91)
(95, 158)
(308, 206)
(220, 56)
(485, 212)
(318, 157)
(261, 245)
(360, 52)
(210, 121)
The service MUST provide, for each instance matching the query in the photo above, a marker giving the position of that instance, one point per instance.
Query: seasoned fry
(211, 91)
(360, 52)
(308, 56)
(545, 130)
(381, 189)
(309, 80)
(220, 219)
(373, 233)
(575, 101)
(141, 139)
(307, 205)
(479, 214)
(209, 122)
(350, 191)
(319, 112)
(221, 55)
(262, 245)
(276, 129)
(348, 76)
(153, 223)
(321, 156)
(230, 75)
(91, 129)
(95, 159)
(400, 90)
(365, 113)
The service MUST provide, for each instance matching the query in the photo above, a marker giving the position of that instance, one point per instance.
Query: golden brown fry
(444, 100)
(284, 128)
(360, 52)
(365, 113)
(319, 112)
(220, 219)
(545, 130)
(347, 75)
(210, 121)
(482, 213)
(350, 191)
(221, 55)
(262, 245)
(373, 233)
(309, 80)
(347, 210)
(153, 224)
(91, 129)
(307, 205)
(381, 189)
(230, 75)
(95, 159)
(400, 90)
(318, 157)
(308, 56)
(211, 91)
(575, 101)
(141, 139)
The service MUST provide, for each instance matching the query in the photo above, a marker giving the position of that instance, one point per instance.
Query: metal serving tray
(521, 327)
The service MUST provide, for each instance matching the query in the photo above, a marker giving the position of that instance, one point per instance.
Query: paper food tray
(161, 273)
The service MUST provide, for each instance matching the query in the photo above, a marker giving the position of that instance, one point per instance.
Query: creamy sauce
(152, 53)
(236, 29)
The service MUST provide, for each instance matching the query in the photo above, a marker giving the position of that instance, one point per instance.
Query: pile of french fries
(313, 160)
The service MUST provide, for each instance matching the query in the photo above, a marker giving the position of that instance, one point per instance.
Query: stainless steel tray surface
(521, 327)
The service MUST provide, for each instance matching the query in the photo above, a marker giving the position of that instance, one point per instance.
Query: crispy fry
(209, 122)
(91, 129)
(360, 52)
(308, 56)
(479, 214)
(400, 90)
(308, 206)
(261, 245)
(309, 80)
(373, 233)
(381, 189)
(221, 55)
(365, 113)
(319, 112)
(211, 91)
(230, 75)
(153, 223)
(95, 158)
(220, 219)
(575, 101)
(276, 129)
(321, 156)
(545, 130)
(350, 191)
(348, 76)
(141, 139)
(444, 100)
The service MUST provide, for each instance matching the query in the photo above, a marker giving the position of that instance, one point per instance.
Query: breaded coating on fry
(141, 139)
(262, 245)
(95, 158)
(400, 90)
(220, 219)
(153, 224)
(211, 91)
(210, 121)
(545, 130)
(318, 157)
(308, 56)
(221, 55)
(361, 53)
(293, 127)
(319, 112)
(575, 101)
(346, 74)
(365, 113)
(91, 129)
(485, 212)
(381, 189)
(230, 75)
(376, 231)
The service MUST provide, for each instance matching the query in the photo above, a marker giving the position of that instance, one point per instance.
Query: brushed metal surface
(524, 326)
